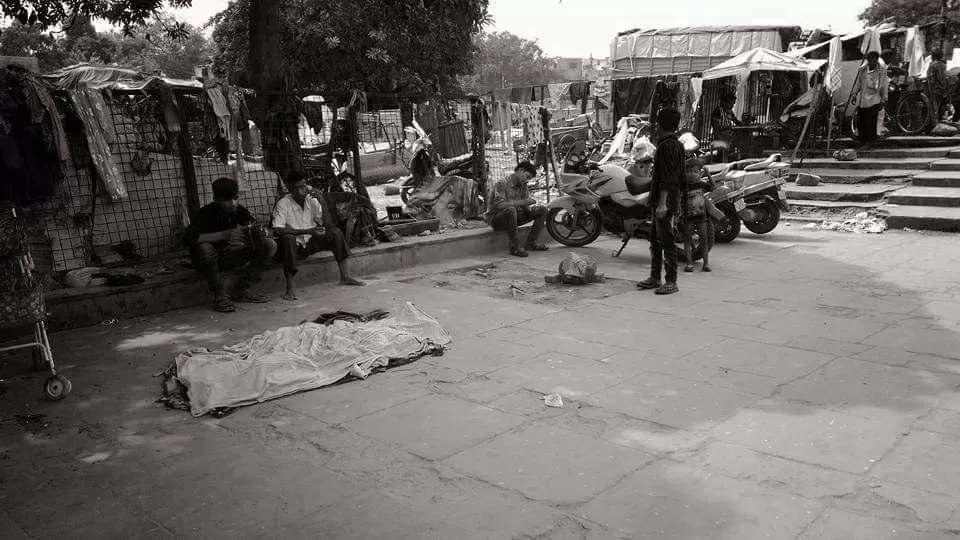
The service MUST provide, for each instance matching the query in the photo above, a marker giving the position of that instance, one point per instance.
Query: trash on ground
(553, 400)
(861, 223)
(576, 269)
(298, 358)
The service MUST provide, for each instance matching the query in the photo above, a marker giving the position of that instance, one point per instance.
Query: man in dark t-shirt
(669, 171)
(222, 236)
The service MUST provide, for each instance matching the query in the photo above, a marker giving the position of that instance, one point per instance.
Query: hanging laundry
(51, 112)
(220, 110)
(580, 93)
(85, 103)
(538, 94)
(29, 169)
(633, 96)
(313, 111)
(532, 125)
(521, 95)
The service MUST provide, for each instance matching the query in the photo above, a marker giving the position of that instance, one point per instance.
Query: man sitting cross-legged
(298, 224)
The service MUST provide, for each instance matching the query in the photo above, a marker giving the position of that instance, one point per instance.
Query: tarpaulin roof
(99, 77)
(681, 30)
(760, 59)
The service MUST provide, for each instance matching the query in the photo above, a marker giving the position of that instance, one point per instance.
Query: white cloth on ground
(299, 358)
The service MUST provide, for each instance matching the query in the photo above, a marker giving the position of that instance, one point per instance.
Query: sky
(580, 28)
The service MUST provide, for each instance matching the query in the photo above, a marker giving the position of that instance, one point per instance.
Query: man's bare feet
(290, 296)
(351, 281)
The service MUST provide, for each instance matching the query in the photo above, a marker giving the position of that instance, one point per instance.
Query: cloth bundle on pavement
(298, 358)
(576, 270)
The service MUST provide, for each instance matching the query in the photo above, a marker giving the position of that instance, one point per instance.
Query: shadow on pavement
(787, 382)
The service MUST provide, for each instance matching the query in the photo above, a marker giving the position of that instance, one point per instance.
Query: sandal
(223, 305)
(248, 297)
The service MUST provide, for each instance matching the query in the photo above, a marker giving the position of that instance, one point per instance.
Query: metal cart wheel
(57, 387)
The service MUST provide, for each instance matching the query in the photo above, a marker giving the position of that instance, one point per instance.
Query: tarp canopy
(97, 77)
(760, 59)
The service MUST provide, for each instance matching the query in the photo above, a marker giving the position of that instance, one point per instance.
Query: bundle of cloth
(294, 359)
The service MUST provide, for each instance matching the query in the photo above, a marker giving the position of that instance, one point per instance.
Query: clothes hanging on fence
(443, 192)
(502, 95)
(313, 112)
(580, 93)
(85, 104)
(171, 109)
(49, 111)
(532, 125)
(539, 94)
(28, 163)
(633, 96)
(520, 95)
(220, 110)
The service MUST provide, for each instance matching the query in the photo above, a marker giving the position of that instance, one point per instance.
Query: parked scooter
(426, 159)
(763, 187)
(597, 197)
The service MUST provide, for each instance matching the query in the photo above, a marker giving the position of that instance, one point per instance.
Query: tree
(22, 40)
(918, 13)
(504, 60)
(128, 14)
(152, 49)
(416, 46)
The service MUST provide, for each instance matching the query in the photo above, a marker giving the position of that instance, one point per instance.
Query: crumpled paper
(553, 400)
(861, 223)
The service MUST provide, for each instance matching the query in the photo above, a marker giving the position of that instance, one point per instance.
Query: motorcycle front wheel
(767, 218)
(574, 228)
(728, 231)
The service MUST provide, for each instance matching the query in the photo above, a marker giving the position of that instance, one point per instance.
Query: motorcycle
(427, 160)
(596, 197)
(724, 194)
(763, 188)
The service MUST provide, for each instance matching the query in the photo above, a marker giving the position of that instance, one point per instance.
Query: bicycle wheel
(913, 113)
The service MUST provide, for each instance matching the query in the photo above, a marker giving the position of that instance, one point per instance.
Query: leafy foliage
(916, 12)
(149, 48)
(413, 46)
(505, 60)
(46, 14)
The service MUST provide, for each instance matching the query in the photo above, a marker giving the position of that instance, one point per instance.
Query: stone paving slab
(808, 388)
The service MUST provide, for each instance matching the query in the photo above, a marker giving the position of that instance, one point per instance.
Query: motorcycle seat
(638, 185)
(455, 162)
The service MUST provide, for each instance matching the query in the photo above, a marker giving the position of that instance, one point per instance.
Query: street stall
(764, 82)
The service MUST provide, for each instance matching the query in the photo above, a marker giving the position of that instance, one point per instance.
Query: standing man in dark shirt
(222, 236)
(510, 206)
(668, 177)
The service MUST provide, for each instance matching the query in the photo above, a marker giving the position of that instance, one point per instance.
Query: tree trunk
(274, 109)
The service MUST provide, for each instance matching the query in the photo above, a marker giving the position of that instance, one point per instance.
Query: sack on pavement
(576, 270)
(845, 155)
(944, 130)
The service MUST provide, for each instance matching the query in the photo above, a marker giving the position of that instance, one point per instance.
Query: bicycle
(594, 135)
(912, 114)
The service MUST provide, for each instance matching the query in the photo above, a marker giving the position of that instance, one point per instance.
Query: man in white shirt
(301, 231)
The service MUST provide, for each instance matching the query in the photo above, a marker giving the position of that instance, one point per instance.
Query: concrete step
(947, 179)
(926, 196)
(796, 205)
(946, 165)
(924, 218)
(866, 163)
(906, 142)
(954, 154)
(855, 176)
(881, 153)
(841, 192)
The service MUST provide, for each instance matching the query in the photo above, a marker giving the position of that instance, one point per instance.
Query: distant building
(580, 69)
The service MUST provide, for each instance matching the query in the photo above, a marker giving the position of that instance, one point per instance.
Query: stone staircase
(913, 181)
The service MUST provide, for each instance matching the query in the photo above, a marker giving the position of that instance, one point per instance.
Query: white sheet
(298, 358)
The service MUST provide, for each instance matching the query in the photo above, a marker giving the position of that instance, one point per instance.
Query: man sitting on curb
(510, 206)
(301, 231)
(222, 236)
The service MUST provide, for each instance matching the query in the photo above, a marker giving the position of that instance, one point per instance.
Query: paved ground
(808, 388)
